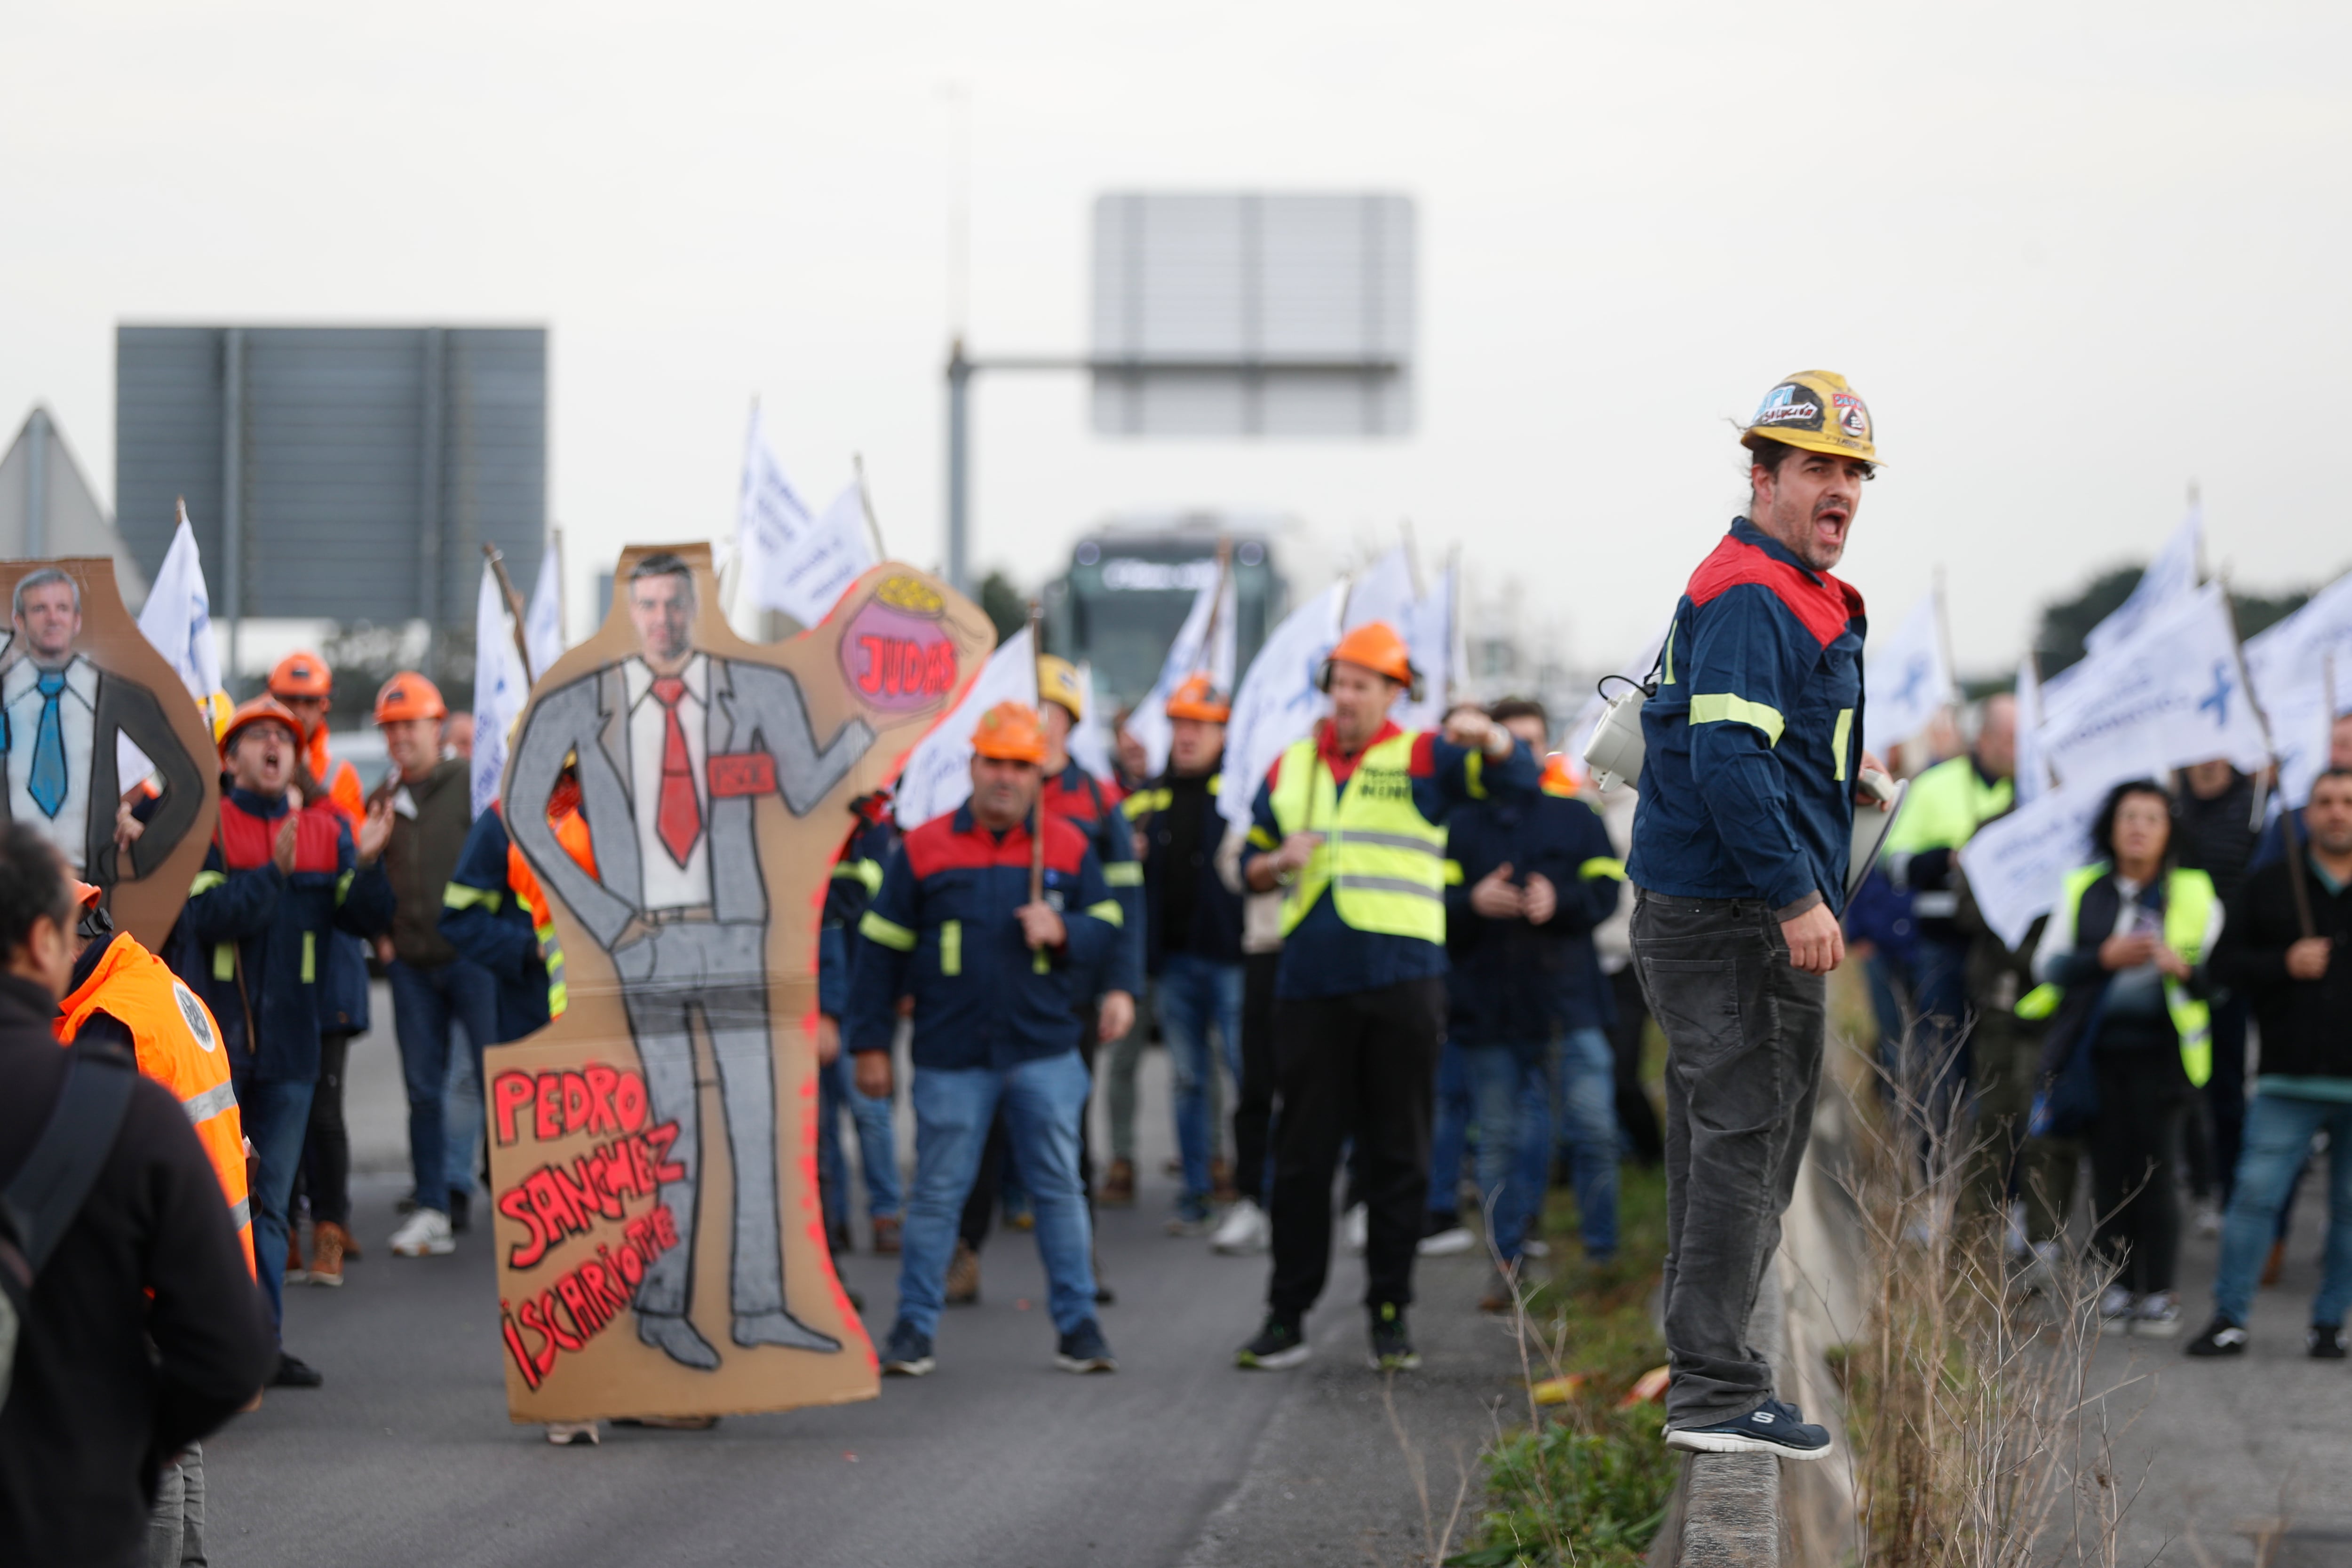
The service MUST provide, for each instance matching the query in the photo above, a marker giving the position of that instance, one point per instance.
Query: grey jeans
(176, 1526)
(1744, 1034)
(720, 971)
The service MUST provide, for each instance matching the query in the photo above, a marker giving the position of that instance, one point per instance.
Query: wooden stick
(1037, 821)
(2286, 813)
(514, 610)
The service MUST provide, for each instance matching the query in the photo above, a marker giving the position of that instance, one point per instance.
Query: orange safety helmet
(260, 710)
(1009, 732)
(409, 695)
(1198, 698)
(1374, 646)
(303, 674)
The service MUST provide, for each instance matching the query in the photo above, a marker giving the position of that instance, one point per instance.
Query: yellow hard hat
(1816, 410)
(1057, 682)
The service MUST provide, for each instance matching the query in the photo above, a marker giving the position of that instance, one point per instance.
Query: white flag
(1905, 682)
(791, 559)
(500, 692)
(542, 618)
(1429, 632)
(937, 776)
(178, 616)
(2302, 670)
(2169, 578)
(178, 619)
(2017, 864)
(2169, 696)
(1383, 593)
(1089, 742)
(1186, 655)
(2032, 760)
(1279, 699)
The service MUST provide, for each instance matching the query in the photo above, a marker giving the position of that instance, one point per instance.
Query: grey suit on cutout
(717, 965)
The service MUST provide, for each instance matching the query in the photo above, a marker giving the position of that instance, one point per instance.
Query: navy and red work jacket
(1091, 806)
(1326, 957)
(1754, 736)
(253, 941)
(942, 930)
(1514, 982)
(857, 877)
(482, 918)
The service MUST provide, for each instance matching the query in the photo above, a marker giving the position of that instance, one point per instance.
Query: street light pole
(959, 469)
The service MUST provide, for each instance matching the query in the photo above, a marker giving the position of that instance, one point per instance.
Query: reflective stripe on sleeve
(1599, 867)
(889, 933)
(203, 1107)
(1722, 707)
(1260, 839)
(1453, 874)
(205, 882)
(463, 895)
(1109, 912)
(1123, 873)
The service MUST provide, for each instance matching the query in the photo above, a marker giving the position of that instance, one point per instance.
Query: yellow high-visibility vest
(1383, 859)
(2188, 900)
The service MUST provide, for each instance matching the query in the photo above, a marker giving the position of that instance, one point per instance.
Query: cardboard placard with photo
(104, 751)
(660, 1240)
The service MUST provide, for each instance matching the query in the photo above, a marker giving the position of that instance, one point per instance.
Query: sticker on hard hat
(1783, 408)
(193, 1011)
(1851, 417)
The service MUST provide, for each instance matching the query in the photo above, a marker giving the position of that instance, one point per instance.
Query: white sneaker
(1535, 1247)
(564, 1433)
(1357, 1224)
(1445, 1243)
(2209, 1219)
(1245, 1228)
(2117, 1307)
(2158, 1315)
(424, 1234)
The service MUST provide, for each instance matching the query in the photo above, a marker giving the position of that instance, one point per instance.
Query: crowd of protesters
(1417, 976)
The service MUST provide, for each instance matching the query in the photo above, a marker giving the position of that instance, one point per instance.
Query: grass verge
(1586, 1480)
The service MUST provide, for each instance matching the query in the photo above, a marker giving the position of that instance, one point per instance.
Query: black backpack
(40, 1203)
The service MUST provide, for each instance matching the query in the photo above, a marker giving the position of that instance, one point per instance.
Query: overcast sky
(2072, 256)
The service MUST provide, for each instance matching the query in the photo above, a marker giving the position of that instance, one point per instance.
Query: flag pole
(514, 609)
(2287, 813)
(1216, 605)
(1037, 819)
(865, 505)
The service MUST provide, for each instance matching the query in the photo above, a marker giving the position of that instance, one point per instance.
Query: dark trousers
(1744, 1033)
(1253, 1098)
(1636, 1117)
(326, 1176)
(2135, 1141)
(2216, 1131)
(1361, 1066)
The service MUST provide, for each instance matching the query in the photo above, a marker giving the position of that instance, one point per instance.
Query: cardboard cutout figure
(78, 679)
(661, 1249)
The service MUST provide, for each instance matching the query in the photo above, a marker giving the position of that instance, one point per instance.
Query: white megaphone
(1614, 754)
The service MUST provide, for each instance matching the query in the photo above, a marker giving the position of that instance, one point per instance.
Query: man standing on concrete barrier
(1740, 846)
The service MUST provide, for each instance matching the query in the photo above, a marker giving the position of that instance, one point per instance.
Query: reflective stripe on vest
(2188, 900)
(178, 1044)
(1383, 859)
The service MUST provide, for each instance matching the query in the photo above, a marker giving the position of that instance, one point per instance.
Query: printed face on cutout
(49, 621)
(661, 608)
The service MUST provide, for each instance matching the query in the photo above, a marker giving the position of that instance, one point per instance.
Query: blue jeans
(1449, 1131)
(1041, 1101)
(1195, 994)
(877, 1144)
(427, 1002)
(2278, 1140)
(275, 1116)
(1584, 1084)
(461, 1112)
(1514, 1136)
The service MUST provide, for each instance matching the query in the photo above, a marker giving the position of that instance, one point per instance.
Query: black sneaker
(461, 1211)
(2221, 1337)
(1084, 1349)
(1279, 1344)
(907, 1353)
(1773, 1427)
(2325, 1342)
(295, 1373)
(1392, 1344)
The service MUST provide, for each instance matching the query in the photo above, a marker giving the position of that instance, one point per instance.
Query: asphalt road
(407, 1456)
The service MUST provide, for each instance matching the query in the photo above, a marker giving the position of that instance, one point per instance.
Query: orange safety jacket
(179, 1046)
(571, 833)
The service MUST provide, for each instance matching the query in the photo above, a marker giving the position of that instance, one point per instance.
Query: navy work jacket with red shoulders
(941, 929)
(1091, 805)
(1755, 733)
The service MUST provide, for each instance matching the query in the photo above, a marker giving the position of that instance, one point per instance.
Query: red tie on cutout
(678, 820)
